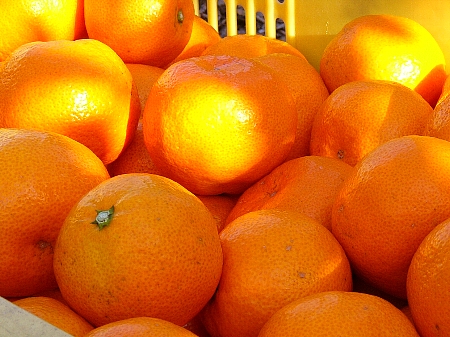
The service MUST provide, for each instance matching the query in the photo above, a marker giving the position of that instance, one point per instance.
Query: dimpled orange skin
(427, 283)
(339, 313)
(308, 90)
(438, 125)
(307, 184)
(250, 46)
(28, 20)
(80, 89)
(209, 125)
(56, 313)
(385, 47)
(360, 115)
(160, 256)
(140, 327)
(140, 31)
(387, 205)
(42, 176)
(272, 258)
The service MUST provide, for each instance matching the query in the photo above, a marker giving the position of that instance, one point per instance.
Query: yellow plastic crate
(310, 25)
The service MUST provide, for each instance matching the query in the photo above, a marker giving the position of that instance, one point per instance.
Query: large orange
(308, 90)
(427, 283)
(28, 21)
(141, 31)
(387, 205)
(250, 46)
(339, 313)
(385, 47)
(138, 245)
(360, 115)
(56, 313)
(140, 327)
(209, 125)
(272, 258)
(81, 89)
(202, 36)
(42, 176)
(307, 184)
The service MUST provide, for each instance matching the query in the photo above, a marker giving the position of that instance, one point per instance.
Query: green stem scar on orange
(103, 217)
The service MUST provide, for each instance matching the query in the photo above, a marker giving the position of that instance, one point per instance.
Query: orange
(339, 313)
(387, 205)
(427, 283)
(138, 245)
(42, 176)
(308, 90)
(250, 46)
(210, 127)
(80, 89)
(202, 36)
(220, 207)
(135, 158)
(140, 31)
(272, 258)
(29, 21)
(56, 313)
(140, 327)
(445, 90)
(385, 47)
(307, 185)
(438, 124)
(144, 76)
(196, 326)
(360, 115)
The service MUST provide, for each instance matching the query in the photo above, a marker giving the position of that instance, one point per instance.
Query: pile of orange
(158, 179)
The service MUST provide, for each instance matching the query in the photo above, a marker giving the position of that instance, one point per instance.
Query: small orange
(80, 89)
(250, 46)
(427, 283)
(308, 90)
(272, 258)
(28, 21)
(220, 207)
(140, 31)
(307, 185)
(138, 245)
(387, 205)
(445, 90)
(56, 313)
(360, 115)
(144, 76)
(210, 127)
(42, 176)
(135, 158)
(385, 47)
(203, 35)
(140, 327)
(339, 313)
